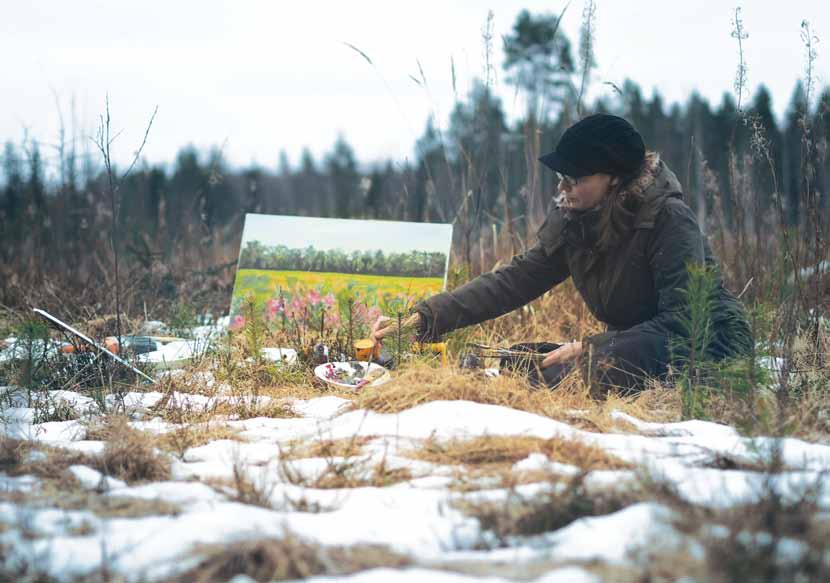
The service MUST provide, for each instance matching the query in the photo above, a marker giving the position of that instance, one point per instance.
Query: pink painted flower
(332, 319)
(329, 300)
(314, 297)
(237, 323)
(275, 306)
(297, 305)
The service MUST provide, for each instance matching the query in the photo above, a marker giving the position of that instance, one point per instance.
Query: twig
(586, 50)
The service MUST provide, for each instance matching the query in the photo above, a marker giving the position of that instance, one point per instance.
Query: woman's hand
(384, 326)
(564, 353)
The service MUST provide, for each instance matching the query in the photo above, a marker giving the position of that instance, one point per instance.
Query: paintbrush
(485, 351)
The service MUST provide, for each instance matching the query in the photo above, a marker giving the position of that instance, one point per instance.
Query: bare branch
(358, 51)
(740, 34)
(143, 143)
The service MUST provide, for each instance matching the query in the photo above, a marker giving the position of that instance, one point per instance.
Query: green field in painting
(265, 284)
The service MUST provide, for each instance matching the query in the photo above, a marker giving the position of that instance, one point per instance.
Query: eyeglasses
(566, 180)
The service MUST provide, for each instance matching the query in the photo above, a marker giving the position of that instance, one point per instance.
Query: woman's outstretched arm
(493, 294)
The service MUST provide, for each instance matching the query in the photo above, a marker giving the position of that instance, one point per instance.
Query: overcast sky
(347, 234)
(257, 77)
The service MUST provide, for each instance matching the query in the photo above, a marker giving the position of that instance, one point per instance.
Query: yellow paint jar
(364, 349)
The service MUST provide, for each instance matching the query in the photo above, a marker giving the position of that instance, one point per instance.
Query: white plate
(320, 373)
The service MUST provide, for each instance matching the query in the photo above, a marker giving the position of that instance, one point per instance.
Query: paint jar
(366, 349)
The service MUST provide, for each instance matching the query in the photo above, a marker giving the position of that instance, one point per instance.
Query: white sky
(347, 234)
(265, 76)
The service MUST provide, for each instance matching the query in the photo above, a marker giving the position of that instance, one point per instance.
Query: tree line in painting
(413, 263)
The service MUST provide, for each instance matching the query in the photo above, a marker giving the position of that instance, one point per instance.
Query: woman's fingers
(381, 327)
(553, 357)
(564, 353)
(386, 325)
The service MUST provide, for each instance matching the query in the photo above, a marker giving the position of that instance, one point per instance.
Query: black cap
(599, 143)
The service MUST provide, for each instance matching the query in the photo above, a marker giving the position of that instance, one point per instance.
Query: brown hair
(618, 209)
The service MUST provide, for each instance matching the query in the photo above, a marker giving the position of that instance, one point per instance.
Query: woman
(623, 233)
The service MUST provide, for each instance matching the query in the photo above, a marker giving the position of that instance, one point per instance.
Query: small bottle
(320, 353)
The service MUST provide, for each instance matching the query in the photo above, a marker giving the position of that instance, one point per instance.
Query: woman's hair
(619, 207)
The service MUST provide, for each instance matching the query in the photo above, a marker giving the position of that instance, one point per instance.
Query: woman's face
(586, 192)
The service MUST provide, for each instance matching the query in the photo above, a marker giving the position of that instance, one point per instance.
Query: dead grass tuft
(13, 453)
(20, 457)
(287, 558)
(561, 504)
(58, 488)
(497, 450)
(247, 491)
(185, 436)
(325, 448)
(129, 454)
(349, 472)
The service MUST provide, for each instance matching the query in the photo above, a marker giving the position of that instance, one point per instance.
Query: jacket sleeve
(676, 243)
(493, 294)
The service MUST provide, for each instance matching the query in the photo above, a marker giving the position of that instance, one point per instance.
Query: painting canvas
(301, 261)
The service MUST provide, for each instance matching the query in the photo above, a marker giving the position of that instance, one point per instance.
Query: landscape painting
(376, 263)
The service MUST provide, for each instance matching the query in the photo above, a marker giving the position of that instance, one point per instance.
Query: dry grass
(570, 402)
(175, 409)
(324, 448)
(286, 558)
(487, 462)
(559, 505)
(248, 491)
(185, 436)
(746, 541)
(499, 450)
(559, 314)
(129, 454)
(58, 488)
(64, 493)
(241, 488)
(539, 568)
(20, 457)
(347, 473)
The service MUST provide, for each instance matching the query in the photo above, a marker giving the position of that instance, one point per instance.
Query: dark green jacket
(635, 288)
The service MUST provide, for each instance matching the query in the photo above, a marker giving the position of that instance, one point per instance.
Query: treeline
(255, 255)
(480, 173)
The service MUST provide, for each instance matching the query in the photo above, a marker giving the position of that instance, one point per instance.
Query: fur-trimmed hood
(655, 183)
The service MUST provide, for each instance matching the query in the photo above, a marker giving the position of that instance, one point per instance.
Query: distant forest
(475, 169)
(255, 255)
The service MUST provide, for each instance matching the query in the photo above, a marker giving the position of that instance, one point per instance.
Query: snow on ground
(418, 516)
